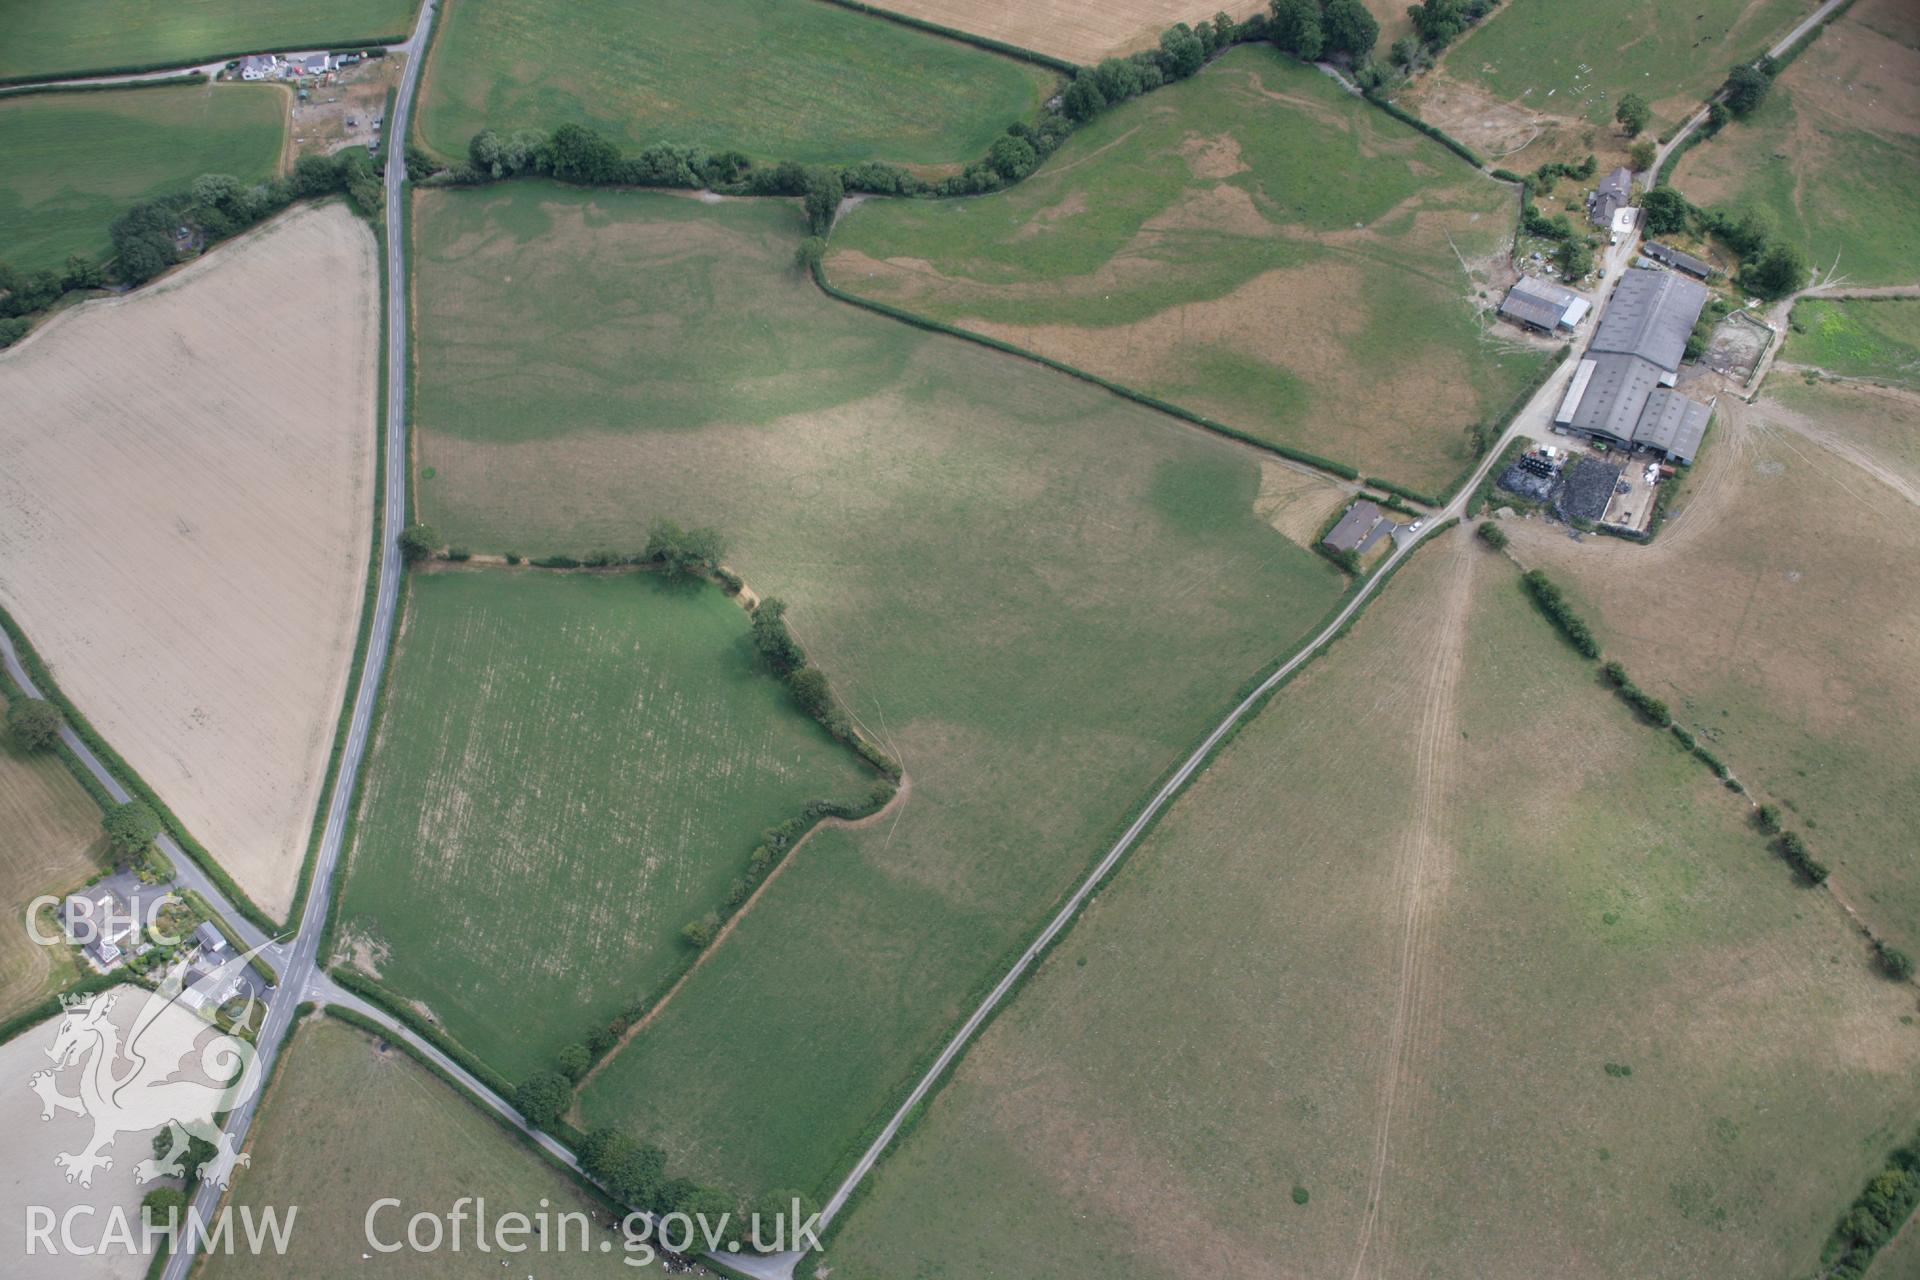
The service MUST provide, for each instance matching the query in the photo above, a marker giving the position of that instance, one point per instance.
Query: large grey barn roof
(1616, 393)
(1673, 423)
(1651, 316)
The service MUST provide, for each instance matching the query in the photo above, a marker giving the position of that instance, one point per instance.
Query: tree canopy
(35, 724)
(130, 827)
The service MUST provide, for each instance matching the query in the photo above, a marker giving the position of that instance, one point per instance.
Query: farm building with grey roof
(1622, 391)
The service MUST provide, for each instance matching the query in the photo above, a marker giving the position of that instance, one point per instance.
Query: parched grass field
(52, 843)
(56, 41)
(1382, 953)
(1034, 594)
(778, 79)
(1580, 60)
(31, 1178)
(350, 1120)
(185, 517)
(1253, 244)
(1832, 157)
(1779, 616)
(1072, 29)
(569, 769)
(1877, 339)
(71, 162)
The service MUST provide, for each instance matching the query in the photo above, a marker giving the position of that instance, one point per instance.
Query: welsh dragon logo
(147, 1081)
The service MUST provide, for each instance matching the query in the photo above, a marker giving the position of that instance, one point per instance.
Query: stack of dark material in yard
(1531, 477)
(1584, 490)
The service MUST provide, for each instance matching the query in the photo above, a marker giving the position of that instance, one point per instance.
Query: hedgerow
(1548, 598)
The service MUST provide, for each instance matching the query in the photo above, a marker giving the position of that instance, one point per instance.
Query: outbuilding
(1548, 308)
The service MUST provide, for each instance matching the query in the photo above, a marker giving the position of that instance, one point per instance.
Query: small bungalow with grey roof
(1357, 530)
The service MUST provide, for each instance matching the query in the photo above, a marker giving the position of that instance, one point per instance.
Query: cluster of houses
(293, 66)
(107, 928)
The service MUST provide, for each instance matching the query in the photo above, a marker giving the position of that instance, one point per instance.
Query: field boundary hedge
(352, 980)
(1313, 650)
(124, 774)
(1520, 401)
(30, 90)
(1438, 134)
(383, 43)
(1001, 47)
(50, 1005)
(928, 323)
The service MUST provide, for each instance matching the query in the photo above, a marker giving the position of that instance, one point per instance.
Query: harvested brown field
(1778, 613)
(1297, 501)
(1512, 135)
(1073, 29)
(186, 478)
(52, 842)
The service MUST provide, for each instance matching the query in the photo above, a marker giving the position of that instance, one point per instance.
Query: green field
(71, 162)
(1385, 948)
(52, 844)
(56, 41)
(569, 769)
(1865, 338)
(1253, 244)
(778, 79)
(1832, 157)
(1034, 594)
(350, 1120)
(1588, 56)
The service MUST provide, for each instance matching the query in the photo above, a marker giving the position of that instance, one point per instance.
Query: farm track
(1418, 878)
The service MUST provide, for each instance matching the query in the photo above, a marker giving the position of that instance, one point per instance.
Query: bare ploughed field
(186, 479)
(1076, 30)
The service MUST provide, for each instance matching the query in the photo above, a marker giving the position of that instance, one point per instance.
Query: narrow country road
(1699, 117)
(187, 873)
(297, 967)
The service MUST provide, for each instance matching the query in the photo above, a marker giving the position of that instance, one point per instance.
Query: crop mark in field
(1419, 878)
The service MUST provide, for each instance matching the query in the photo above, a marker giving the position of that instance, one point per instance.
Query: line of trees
(1552, 602)
(145, 236)
(1436, 24)
(1316, 29)
(1879, 1211)
(1793, 848)
(635, 1173)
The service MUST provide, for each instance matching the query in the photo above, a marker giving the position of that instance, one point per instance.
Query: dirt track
(185, 485)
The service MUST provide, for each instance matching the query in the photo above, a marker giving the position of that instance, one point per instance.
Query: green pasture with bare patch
(569, 769)
(1036, 595)
(1253, 244)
